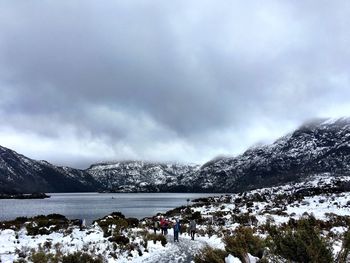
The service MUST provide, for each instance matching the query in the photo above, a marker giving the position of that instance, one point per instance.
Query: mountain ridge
(319, 146)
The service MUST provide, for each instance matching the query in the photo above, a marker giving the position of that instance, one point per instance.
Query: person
(81, 224)
(155, 225)
(162, 225)
(166, 224)
(177, 228)
(192, 228)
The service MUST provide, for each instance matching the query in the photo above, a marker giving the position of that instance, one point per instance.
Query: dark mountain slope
(24, 175)
(315, 148)
(139, 176)
(318, 147)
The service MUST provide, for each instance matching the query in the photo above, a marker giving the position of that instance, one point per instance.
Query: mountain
(315, 148)
(139, 176)
(20, 174)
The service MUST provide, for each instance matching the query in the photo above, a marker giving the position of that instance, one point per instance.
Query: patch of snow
(232, 259)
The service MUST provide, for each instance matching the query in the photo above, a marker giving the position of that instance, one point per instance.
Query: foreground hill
(314, 148)
(306, 221)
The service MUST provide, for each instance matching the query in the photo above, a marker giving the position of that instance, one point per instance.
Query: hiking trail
(178, 252)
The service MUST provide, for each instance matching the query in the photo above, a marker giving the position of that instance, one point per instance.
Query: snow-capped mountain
(20, 174)
(317, 147)
(24, 175)
(136, 176)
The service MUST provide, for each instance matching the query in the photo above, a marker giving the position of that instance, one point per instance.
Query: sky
(182, 81)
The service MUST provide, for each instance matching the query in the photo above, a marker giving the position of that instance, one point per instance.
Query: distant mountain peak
(319, 146)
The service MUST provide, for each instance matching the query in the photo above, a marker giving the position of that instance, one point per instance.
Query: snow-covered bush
(80, 257)
(242, 242)
(113, 223)
(155, 238)
(44, 225)
(120, 240)
(210, 255)
(344, 255)
(301, 242)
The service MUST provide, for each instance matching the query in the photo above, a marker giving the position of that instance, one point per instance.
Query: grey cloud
(137, 73)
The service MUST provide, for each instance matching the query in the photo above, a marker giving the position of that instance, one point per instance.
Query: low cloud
(82, 82)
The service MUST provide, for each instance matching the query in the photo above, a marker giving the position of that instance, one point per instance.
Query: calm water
(91, 206)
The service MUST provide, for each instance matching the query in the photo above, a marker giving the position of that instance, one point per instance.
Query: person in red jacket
(162, 224)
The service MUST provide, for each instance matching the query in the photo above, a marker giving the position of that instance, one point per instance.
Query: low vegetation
(78, 257)
(210, 255)
(113, 223)
(301, 241)
(155, 238)
(38, 225)
(242, 242)
(298, 242)
(268, 226)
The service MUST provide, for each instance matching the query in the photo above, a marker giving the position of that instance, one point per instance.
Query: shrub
(120, 239)
(175, 212)
(43, 225)
(337, 220)
(116, 220)
(301, 242)
(156, 238)
(210, 255)
(184, 228)
(56, 217)
(132, 222)
(14, 224)
(344, 253)
(249, 204)
(80, 257)
(117, 214)
(244, 219)
(48, 244)
(42, 257)
(196, 215)
(242, 242)
(210, 230)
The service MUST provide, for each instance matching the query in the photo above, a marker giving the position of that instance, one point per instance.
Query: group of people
(164, 224)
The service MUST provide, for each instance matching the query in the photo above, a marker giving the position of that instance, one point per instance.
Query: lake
(91, 206)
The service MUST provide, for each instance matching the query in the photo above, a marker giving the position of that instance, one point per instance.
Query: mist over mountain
(317, 147)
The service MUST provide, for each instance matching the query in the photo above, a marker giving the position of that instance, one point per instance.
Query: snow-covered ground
(91, 240)
(282, 202)
(322, 196)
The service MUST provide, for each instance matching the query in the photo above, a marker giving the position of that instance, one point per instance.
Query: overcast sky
(87, 81)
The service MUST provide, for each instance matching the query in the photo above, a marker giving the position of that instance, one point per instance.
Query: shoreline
(25, 196)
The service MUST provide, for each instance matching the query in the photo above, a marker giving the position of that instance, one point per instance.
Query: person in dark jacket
(155, 225)
(192, 228)
(81, 224)
(177, 229)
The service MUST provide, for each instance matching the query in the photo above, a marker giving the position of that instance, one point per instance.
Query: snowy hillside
(138, 176)
(303, 222)
(318, 147)
(21, 174)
